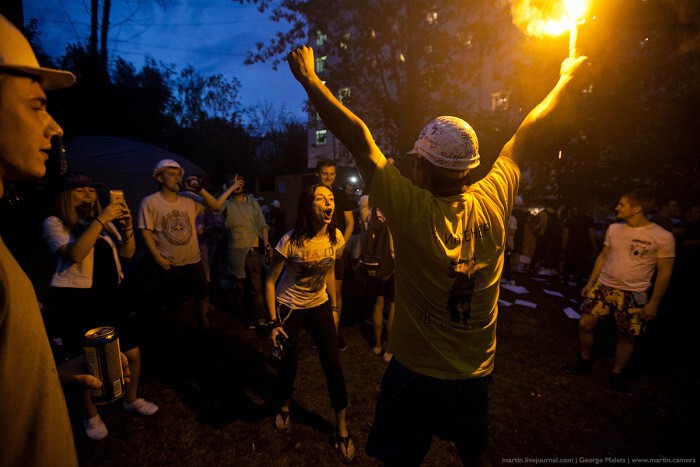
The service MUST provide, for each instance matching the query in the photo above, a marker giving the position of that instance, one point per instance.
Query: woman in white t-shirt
(307, 255)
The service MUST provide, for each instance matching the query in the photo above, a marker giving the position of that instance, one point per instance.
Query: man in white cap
(167, 223)
(34, 424)
(449, 257)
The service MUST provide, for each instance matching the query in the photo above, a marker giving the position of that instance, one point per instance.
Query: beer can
(101, 347)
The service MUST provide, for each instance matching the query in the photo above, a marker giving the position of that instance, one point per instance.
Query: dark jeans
(179, 280)
(253, 284)
(319, 322)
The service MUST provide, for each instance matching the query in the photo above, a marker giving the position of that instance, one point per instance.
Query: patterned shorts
(603, 300)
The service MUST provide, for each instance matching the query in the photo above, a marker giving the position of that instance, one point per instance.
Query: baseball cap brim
(49, 79)
(439, 161)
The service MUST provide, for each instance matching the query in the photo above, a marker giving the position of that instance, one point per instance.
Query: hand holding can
(104, 361)
(193, 183)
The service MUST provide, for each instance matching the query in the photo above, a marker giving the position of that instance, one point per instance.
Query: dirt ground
(217, 405)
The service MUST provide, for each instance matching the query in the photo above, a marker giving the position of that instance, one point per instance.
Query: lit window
(346, 40)
(498, 101)
(320, 38)
(321, 137)
(320, 64)
(431, 18)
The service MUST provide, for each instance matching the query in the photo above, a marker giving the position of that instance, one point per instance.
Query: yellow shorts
(603, 300)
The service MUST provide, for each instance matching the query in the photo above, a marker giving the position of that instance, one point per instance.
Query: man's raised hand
(301, 62)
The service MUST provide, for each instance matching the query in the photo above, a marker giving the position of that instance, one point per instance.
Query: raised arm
(215, 204)
(515, 147)
(207, 198)
(345, 125)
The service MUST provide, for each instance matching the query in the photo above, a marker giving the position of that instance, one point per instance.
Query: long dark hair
(303, 226)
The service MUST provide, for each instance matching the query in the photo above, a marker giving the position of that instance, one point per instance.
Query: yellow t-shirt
(445, 322)
(35, 428)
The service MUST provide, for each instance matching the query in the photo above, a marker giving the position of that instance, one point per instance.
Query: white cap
(17, 55)
(275, 204)
(449, 143)
(164, 164)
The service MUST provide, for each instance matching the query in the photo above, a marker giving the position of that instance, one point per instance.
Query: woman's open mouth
(328, 214)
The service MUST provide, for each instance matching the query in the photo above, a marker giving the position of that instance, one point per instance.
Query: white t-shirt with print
(303, 284)
(173, 226)
(633, 254)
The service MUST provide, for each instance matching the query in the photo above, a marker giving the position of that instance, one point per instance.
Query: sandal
(282, 422)
(342, 444)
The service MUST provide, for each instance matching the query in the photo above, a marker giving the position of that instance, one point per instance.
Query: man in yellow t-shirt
(449, 258)
(34, 424)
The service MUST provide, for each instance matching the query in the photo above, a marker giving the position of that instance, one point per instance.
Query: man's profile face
(170, 178)
(26, 128)
(626, 209)
(326, 175)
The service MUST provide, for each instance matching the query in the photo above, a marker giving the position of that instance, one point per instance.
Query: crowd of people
(433, 273)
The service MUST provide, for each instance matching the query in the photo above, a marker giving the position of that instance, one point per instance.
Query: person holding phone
(88, 242)
(305, 295)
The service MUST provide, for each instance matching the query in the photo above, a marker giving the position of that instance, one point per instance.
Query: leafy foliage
(404, 62)
(407, 62)
(636, 122)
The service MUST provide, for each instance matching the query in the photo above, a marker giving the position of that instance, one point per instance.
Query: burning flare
(547, 17)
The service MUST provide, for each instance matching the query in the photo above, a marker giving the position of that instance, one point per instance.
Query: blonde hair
(67, 211)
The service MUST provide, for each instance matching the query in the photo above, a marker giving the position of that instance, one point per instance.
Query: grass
(217, 405)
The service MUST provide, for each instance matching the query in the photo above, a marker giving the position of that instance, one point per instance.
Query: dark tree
(407, 62)
(397, 63)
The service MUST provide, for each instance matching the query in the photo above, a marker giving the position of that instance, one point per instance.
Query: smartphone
(116, 196)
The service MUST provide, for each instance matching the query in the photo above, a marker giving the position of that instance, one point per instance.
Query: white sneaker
(142, 406)
(387, 357)
(377, 350)
(95, 428)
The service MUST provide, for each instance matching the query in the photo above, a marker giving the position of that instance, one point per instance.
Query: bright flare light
(535, 18)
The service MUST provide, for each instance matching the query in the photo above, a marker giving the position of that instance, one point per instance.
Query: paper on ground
(504, 302)
(525, 303)
(553, 292)
(519, 289)
(538, 279)
(571, 313)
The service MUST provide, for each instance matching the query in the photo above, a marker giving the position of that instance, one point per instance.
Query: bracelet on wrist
(276, 324)
(101, 223)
